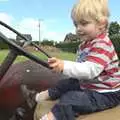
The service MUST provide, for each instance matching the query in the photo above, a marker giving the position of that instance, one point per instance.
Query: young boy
(94, 79)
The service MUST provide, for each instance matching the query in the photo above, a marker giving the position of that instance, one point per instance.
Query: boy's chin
(84, 39)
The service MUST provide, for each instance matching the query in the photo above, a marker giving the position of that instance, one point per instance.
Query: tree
(114, 33)
(47, 42)
(114, 28)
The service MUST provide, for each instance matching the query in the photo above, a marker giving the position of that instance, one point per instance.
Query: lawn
(60, 54)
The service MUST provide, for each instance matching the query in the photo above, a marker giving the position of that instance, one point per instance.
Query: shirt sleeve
(82, 71)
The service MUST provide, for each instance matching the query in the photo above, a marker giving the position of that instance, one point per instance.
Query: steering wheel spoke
(17, 49)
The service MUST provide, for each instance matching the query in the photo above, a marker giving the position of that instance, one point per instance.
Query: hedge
(68, 47)
(3, 45)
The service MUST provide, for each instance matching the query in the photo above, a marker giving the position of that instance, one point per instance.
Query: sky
(53, 16)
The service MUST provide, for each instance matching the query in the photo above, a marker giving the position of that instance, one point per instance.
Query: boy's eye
(75, 24)
(84, 23)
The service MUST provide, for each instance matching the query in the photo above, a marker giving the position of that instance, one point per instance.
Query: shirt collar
(101, 36)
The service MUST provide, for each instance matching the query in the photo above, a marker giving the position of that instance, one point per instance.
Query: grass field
(60, 54)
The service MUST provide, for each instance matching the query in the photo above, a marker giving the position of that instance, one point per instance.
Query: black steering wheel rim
(19, 49)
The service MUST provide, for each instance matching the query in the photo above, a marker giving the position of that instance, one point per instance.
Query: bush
(68, 47)
(116, 42)
(3, 45)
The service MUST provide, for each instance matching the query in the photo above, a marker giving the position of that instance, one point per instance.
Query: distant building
(70, 37)
(28, 36)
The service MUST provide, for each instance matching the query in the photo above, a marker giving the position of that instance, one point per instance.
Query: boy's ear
(102, 23)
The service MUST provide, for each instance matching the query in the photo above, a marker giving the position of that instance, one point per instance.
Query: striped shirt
(97, 61)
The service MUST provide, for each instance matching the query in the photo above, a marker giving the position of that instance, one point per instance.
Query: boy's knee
(73, 95)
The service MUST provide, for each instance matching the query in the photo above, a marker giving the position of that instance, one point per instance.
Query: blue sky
(54, 16)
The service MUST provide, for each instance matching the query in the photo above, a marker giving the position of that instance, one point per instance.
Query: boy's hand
(56, 64)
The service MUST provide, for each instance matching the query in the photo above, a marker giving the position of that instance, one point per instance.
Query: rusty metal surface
(30, 73)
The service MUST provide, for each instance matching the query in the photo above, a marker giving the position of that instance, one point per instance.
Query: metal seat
(111, 114)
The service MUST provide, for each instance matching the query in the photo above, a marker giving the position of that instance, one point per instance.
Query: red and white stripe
(101, 51)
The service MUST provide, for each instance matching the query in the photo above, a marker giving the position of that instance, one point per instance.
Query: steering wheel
(16, 50)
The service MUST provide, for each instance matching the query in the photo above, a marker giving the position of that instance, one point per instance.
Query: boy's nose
(79, 28)
(79, 31)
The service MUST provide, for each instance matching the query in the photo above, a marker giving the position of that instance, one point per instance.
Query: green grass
(61, 55)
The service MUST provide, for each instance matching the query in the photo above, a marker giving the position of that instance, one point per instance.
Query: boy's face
(87, 30)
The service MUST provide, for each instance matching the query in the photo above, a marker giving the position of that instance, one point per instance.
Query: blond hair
(90, 10)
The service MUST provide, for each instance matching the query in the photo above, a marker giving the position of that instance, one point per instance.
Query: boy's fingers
(53, 64)
(51, 60)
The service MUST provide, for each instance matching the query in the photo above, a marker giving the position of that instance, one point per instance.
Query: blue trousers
(73, 100)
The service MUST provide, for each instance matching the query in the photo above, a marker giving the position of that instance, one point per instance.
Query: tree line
(71, 41)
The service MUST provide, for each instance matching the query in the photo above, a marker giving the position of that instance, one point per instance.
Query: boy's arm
(82, 71)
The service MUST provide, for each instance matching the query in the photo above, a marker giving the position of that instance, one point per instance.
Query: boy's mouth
(81, 34)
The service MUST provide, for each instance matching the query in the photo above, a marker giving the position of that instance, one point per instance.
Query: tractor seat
(111, 114)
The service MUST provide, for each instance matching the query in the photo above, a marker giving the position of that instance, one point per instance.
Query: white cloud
(30, 26)
(8, 20)
(54, 36)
